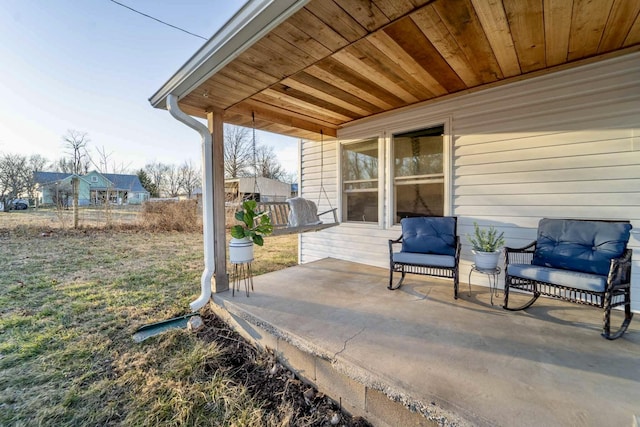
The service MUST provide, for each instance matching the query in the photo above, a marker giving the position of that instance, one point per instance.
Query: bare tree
(36, 163)
(61, 193)
(172, 181)
(102, 162)
(238, 151)
(63, 165)
(267, 163)
(290, 177)
(76, 146)
(156, 173)
(190, 178)
(13, 178)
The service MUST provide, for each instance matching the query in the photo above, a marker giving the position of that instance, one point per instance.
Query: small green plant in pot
(253, 227)
(487, 244)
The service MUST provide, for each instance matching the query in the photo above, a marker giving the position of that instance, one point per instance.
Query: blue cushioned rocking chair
(430, 247)
(580, 261)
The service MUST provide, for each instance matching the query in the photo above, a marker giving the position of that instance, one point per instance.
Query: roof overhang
(254, 20)
(304, 67)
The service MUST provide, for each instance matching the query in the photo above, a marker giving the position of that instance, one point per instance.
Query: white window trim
(381, 179)
(413, 125)
(386, 130)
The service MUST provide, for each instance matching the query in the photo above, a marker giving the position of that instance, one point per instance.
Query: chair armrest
(523, 255)
(393, 242)
(620, 270)
(334, 211)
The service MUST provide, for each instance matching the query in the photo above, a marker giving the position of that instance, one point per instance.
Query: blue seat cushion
(429, 235)
(586, 246)
(556, 276)
(424, 259)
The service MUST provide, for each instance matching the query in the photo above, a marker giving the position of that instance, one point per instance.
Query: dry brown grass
(182, 215)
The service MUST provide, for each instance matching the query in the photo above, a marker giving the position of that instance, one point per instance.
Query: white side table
(491, 274)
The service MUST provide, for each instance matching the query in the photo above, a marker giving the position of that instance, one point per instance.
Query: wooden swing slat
(279, 213)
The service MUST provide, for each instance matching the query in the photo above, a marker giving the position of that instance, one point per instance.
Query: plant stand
(491, 274)
(242, 273)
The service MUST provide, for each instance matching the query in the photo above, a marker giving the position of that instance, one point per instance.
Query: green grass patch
(69, 304)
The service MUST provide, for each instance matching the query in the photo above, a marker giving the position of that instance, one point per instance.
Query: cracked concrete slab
(459, 362)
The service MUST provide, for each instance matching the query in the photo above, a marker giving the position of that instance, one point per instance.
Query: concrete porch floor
(457, 362)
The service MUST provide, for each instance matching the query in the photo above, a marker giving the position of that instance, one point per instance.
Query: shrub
(171, 215)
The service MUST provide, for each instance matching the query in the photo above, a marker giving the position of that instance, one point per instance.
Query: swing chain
(322, 190)
(256, 187)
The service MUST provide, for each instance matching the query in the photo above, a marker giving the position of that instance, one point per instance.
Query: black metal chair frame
(425, 270)
(617, 291)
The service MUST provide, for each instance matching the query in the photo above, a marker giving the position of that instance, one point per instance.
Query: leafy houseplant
(484, 240)
(486, 246)
(254, 225)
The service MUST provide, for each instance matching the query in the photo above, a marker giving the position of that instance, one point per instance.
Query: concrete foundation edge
(359, 392)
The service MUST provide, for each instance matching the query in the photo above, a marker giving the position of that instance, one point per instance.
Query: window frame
(384, 131)
(417, 125)
(381, 180)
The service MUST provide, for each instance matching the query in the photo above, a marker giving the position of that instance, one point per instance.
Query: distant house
(266, 189)
(95, 188)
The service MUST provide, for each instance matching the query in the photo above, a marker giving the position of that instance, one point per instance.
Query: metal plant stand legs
(242, 274)
(491, 274)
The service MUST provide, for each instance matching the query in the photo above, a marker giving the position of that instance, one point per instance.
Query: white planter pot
(240, 250)
(487, 260)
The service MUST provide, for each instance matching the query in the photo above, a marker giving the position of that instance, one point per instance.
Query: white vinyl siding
(563, 145)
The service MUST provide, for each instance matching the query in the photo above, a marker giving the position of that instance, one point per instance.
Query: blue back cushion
(429, 235)
(587, 246)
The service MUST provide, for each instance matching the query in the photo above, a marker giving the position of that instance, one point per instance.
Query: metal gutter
(253, 21)
(207, 200)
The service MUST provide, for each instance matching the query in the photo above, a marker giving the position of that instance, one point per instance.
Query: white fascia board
(254, 20)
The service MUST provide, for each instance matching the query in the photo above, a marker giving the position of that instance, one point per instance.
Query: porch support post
(215, 123)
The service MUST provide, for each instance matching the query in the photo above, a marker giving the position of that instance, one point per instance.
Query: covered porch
(538, 104)
(453, 362)
(499, 74)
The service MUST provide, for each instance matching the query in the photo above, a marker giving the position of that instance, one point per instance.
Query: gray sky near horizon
(92, 65)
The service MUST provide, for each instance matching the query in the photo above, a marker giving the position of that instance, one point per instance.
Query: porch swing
(297, 214)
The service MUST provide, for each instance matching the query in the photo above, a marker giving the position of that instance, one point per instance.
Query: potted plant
(252, 229)
(487, 244)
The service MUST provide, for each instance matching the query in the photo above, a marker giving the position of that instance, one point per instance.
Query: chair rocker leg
(628, 315)
(606, 333)
(391, 287)
(521, 307)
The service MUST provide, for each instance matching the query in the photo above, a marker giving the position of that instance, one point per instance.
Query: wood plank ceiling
(335, 61)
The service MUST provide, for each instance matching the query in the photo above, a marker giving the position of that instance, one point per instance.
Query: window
(94, 178)
(418, 173)
(360, 181)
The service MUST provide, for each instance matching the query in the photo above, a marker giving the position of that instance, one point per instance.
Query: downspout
(207, 199)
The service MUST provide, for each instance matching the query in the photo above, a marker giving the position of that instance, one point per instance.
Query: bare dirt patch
(287, 399)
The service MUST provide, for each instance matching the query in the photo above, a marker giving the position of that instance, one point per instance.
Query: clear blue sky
(91, 65)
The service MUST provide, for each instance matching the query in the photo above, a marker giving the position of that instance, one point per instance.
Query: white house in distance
(499, 113)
